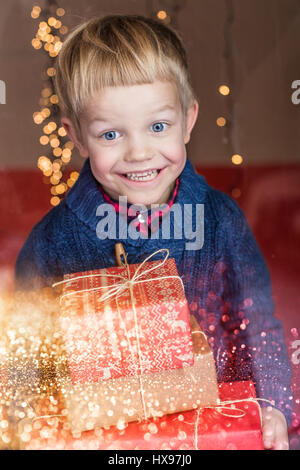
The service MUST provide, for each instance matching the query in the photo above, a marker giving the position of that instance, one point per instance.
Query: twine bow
(118, 288)
(226, 405)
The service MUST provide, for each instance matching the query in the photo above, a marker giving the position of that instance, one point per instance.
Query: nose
(139, 149)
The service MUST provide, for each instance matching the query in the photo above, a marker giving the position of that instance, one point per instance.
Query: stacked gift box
(139, 371)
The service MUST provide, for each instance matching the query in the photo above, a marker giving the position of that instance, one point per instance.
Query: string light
(221, 121)
(224, 90)
(161, 15)
(236, 193)
(48, 39)
(237, 159)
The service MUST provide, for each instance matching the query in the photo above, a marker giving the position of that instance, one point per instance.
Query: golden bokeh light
(60, 188)
(43, 25)
(46, 92)
(54, 99)
(44, 140)
(62, 132)
(237, 159)
(66, 152)
(45, 112)
(69, 145)
(60, 12)
(224, 90)
(236, 193)
(38, 118)
(57, 151)
(36, 43)
(47, 129)
(47, 37)
(54, 142)
(57, 24)
(51, 21)
(35, 12)
(52, 125)
(44, 163)
(161, 15)
(63, 30)
(221, 121)
(51, 71)
(54, 201)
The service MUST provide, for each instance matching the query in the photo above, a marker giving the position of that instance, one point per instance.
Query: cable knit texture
(227, 282)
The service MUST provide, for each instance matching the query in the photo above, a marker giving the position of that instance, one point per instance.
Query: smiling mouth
(142, 176)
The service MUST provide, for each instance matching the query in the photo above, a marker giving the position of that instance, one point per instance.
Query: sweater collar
(84, 197)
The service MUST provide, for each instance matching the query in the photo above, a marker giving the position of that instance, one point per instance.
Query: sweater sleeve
(35, 265)
(257, 338)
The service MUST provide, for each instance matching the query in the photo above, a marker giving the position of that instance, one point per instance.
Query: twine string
(113, 290)
(116, 290)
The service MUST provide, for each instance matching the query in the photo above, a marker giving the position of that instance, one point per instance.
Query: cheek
(102, 162)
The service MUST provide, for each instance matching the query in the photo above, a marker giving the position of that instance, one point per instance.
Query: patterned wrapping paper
(203, 429)
(101, 337)
(126, 399)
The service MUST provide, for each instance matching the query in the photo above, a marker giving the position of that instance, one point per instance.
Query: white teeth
(147, 175)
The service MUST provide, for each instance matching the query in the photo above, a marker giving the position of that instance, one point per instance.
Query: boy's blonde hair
(118, 50)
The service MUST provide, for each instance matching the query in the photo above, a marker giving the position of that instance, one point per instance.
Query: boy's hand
(274, 429)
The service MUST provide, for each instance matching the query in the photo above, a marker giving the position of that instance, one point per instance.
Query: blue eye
(110, 134)
(158, 126)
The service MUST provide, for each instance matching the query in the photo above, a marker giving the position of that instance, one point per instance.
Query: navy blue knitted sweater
(227, 283)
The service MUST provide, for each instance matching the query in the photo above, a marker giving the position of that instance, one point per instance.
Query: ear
(190, 120)
(70, 130)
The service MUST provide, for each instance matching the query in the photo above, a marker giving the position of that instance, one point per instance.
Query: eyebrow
(159, 110)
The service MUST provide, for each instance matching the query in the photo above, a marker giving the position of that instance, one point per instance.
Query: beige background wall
(264, 59)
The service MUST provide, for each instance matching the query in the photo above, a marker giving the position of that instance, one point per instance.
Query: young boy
(128, 105)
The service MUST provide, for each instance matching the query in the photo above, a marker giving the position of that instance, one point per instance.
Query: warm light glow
(35, 12)
(66, 159)
(60, 188)
(44, 163)
(224, 90)
(51, 71)
(70, 182)
(46, 92)
(44, 102)
(36, 43)
(57, 152)
(54, 142)
(236, 193)
(54, 201)
(45, 112)
(69, 145)
(44, 140)
(47, 129)
(74, 175)
(52, 21)
(43, 25)
(52, 125)
(221, 121)
(62, 132)
(161, 15)
(60, 12)
(54, 99)
(56, 165)
(63, 30)
(57, 24)
(66, 152)
(237, 159)
(38, 118)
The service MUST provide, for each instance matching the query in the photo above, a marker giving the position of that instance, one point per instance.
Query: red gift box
(142, 330)
(203, 429)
